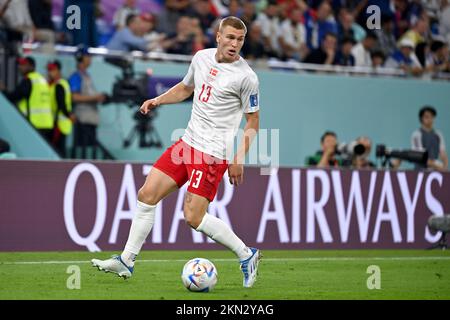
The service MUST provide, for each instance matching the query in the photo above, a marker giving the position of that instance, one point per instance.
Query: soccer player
(224, 88)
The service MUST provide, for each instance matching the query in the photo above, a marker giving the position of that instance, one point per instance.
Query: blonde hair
(232, 22)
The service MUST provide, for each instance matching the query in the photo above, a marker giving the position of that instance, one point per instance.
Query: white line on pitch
(234, 260)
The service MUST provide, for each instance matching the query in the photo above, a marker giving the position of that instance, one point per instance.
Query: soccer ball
(199, 275)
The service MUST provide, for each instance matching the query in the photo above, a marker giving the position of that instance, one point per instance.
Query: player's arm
(176, 94)
(236, 167)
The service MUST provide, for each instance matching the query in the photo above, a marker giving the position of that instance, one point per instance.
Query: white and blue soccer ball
(199, 275)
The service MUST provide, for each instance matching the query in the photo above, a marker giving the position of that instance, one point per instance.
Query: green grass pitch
(404, 274)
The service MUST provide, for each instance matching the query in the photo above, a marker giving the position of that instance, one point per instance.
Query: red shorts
(184, 163)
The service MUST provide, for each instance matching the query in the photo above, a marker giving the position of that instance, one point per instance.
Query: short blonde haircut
(232, 22)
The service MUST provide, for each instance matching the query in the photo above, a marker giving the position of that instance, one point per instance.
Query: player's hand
(149, 105)
(236, 174)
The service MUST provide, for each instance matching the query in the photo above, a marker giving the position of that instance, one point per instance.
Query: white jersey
(223, 92)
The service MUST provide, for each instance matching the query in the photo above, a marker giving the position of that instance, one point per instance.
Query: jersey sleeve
(75, 82)
(250, 94)
(188, 79)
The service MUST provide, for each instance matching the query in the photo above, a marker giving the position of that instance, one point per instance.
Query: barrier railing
(265, 64)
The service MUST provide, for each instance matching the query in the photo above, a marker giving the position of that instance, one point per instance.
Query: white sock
(141, 225)
(220, 232)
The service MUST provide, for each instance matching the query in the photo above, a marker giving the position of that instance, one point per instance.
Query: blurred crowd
(412, 35)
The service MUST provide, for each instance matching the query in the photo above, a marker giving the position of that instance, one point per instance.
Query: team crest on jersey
(253, 100)
(213, 72)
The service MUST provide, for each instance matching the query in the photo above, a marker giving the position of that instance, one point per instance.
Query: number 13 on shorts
(195, 179)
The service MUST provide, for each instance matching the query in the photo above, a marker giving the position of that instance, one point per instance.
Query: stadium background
(34, 187)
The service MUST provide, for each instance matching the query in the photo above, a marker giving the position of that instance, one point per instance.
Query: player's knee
(191, 218)
(148, 197)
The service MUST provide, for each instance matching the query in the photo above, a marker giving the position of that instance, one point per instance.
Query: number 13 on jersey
(195, 179)
(205, 93)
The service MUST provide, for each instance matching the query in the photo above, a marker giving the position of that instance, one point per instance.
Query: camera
(419, 157)
(133, 90)
(130, 89)
(351, 149)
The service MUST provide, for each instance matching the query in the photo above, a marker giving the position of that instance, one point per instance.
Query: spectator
(254, 46)
(386, 39)
(151, 36)
(444, 21)
(200, 10)
(200, 38)
(248, 15)
(362, 161)
(326, 157)
(169, 16)
(61, 102)
(234, 8)
(211, 41)
(344, 56)
(357, 10)
(348, 28)
(415, 11)
(361, 51)
(432, 8)
(428, 139)
(419, 32)
(378, 59)
(85, 98)
(405, 58)
(4, 4)
(187, 40)
(9, 39)
(326, 53)
(129, 38)
(121, 15)
(270, 25)
(41, 14)
(17, 19)
(423, 54)
(401, 19)
(439, 57)
(318, 24)
(292, 36)
(32, 96)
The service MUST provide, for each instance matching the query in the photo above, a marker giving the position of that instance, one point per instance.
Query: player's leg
(156, 187)
(203, 185)
(195, 207)
(165, 177)
(195, 215)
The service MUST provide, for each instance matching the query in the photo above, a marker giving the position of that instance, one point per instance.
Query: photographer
(326, 157)
(431, 140)
(361, 161)
(85, 98)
